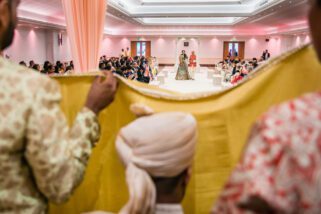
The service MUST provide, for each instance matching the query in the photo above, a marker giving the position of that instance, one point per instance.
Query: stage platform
(203, 82)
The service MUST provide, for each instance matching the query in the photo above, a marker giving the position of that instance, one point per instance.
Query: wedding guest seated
(60, 68)
(45, 67)
(109, 68)
(69, 69)
(236, 78)
(140, 69)
(234, 71)
(255, 63)
(129, 74)
(135, 66)
(146, 78)
(31, 64)
(102, 65)
(250, 68)
(225, 67)
(140, 75)
(227, 75)
(50, 70)
(36, 67)
(244, 72)
(22, 63)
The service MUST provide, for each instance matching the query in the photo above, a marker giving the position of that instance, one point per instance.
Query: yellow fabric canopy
(224, 122)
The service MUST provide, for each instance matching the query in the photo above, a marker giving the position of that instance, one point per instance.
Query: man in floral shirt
(280, 171)
(41, 159)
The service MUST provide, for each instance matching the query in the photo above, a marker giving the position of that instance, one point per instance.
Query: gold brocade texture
(224, 123)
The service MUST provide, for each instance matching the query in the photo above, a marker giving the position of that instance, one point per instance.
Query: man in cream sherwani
(41, 159)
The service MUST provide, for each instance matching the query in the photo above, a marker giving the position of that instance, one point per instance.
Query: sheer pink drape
(85, 25)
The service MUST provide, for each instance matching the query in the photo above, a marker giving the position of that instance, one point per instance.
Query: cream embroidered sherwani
(41, 159)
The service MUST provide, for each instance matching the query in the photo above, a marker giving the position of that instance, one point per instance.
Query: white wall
(29, 44)
(38, 45)
(112, 46)
(41, 45)
(61, 52)
(210, 49)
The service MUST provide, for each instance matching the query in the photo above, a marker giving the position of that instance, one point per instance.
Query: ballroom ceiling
(183, 17)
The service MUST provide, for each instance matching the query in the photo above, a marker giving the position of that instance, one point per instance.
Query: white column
(177, 54)
(198, 67)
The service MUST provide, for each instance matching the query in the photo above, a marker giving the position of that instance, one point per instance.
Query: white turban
(161, 145)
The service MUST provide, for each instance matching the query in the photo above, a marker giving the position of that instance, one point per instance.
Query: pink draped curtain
(85, 26)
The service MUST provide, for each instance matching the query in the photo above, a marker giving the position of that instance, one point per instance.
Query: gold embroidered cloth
(224, 122)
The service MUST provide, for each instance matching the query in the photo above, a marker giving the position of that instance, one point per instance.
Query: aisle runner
(224, 121)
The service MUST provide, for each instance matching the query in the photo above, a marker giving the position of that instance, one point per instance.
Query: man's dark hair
(35, 66)
(68, 68)
(123, 68)
(168, 185)
(50, 67)
(46, 64)
(108, 67)
(22, 63)
(102, 66)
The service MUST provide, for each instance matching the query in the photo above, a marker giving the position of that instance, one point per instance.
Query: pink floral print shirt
(282, 162)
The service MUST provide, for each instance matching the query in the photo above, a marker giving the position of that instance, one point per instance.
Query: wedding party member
(157, 152)
(266, 55)
(280, 169)
(182, 72)
(123, 53)
(193, 63)
(41, 159)
(127, 52)
(192, 60)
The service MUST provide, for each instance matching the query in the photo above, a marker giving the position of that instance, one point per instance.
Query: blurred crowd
(50, 68)
(236, 70)
(137, 68)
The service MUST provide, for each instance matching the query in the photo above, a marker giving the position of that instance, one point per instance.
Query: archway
(189, 45)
